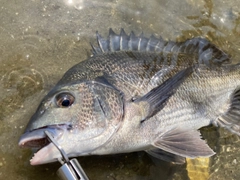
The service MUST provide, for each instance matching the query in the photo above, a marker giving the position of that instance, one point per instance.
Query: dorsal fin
(205, 52)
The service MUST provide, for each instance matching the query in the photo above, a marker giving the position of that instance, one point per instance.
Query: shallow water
(40, 40)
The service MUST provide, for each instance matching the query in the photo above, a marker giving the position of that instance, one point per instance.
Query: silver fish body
(139, 93)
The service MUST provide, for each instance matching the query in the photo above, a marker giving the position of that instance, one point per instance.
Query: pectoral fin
(184, 143)
(156, 99)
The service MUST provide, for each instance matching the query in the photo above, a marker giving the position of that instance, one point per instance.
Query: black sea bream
(137, 93)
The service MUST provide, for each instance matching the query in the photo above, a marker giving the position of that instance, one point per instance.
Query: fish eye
(64, 99)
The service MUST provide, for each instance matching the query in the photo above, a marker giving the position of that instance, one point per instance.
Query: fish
(138, 93)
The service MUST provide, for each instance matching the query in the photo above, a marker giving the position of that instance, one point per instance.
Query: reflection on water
(40, 40)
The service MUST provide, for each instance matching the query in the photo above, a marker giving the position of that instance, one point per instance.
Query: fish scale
(137, 93)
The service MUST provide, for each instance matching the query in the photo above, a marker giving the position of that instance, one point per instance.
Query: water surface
(40, 40)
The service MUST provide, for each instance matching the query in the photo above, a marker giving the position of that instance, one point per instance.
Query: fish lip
(43, 154)
(39, 133)
(37, 138)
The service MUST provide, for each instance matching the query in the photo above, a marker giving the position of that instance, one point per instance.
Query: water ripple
(19, 82)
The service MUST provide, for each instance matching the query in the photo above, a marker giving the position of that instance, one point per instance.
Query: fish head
(81, 117)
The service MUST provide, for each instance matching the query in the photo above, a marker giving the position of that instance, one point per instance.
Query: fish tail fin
(231, 119)
(204, 51)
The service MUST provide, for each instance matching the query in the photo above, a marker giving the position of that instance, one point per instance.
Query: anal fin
(166, 156)
(231, 119)
(184, 143)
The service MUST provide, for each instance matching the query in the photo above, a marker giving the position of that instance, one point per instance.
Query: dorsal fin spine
(204, 51)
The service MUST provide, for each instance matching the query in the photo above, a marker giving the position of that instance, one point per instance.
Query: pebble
(234, 161)
(228, 149)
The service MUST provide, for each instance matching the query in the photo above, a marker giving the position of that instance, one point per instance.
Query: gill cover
(100, 114)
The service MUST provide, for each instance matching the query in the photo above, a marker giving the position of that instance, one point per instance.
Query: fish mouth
(37, 139)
